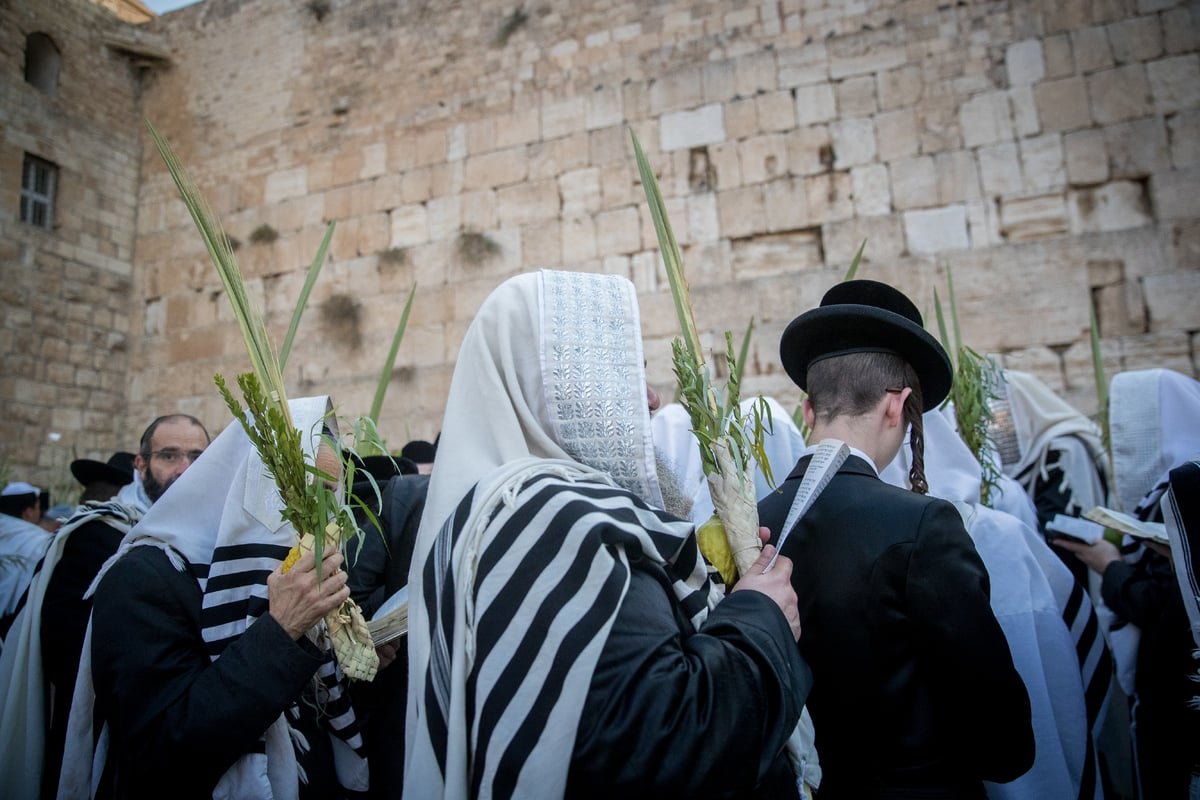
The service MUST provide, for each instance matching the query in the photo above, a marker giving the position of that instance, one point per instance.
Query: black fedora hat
(864, 316)
(118, 471)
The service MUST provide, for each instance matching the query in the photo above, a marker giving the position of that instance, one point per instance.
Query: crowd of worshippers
(898, 636)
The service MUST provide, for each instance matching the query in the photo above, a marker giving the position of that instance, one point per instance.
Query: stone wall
(1042, 154)
(67, 295)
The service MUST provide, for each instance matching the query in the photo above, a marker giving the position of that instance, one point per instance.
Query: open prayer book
(1154, 531)
(390, 620)
(1081, 530)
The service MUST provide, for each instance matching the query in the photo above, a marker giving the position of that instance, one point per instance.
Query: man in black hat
(102, 480)
(914, 688)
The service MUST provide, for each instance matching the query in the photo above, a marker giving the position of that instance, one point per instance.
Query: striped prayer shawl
(522, 591)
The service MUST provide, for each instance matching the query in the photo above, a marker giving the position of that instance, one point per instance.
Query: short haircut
(148, 436)
(14, 504)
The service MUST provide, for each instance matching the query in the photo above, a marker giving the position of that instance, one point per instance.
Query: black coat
(178, 720)
(914, 687)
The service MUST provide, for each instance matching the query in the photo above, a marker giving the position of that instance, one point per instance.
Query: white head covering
(227, 497)
(548, 391)
(1154, 425)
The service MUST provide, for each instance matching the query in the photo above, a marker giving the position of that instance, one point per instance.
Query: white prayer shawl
(549, 380)
(22, 545)
(1046, 651)
(227, 499)
(24, 701)
(1043, 422)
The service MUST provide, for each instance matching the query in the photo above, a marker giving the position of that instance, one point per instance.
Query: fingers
(764, 558)
(764, 533)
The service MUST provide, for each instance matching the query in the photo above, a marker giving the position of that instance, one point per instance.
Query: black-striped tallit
(524, 583)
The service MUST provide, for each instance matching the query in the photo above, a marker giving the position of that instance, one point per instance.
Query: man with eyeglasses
(51, 627)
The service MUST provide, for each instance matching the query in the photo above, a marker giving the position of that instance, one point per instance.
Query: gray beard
(674, 500)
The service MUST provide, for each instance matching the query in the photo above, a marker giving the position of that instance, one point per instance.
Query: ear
(140, 465)
(810, 416)
(893, 409)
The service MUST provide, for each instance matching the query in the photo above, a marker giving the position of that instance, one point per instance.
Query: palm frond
(313, 271)
(850, 273)
(385, 376)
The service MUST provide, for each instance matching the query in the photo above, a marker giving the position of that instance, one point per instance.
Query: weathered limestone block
(741, 118)
(726, 164)
(755, 73)
(619, 231)
(1135, 39)
(409, 226)
(522, 127)
(801, 66)
(549, 159)
(853, 142)
(1062, 105)
(1175, 83)
(374, 233)
(1025, 218)
(527, 202)
(702, 219)
(1000, 169)
(1056, 52)
(456, 143)
(542, 244)
(786, 203)
(856, 96)
(1181, 31)
(1173, 300)
(580, 191)
(1024, 111)
(914, 182)
(776, 111)
(1184, 133)
(1024, 62)
(578, 239)
(1137, 148)
(879, 59)
(286, 183)
(763, 158)
(1111, 207)
(957, 177)
(494, 169)
(479, 210)
(675, 91)
(936, 229)
(983, 223)
(718, 81)
(872, 190)
(830, 197)
(704, 125)
(1119, 94)
(1086, 157)
(1042, 163)
(900, 87)
(1174, 194)
(815, 103)
(563, 117)
(884, 238)
(986, 119)
(896, 134)
(741, 211)
(776, 255)
(1091, 49)
(444, 216)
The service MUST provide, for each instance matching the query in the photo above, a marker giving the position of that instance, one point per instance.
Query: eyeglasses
(172, 455)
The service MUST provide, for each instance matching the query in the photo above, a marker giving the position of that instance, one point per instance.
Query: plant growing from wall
(263, 234)
(511, 24)
(341, 314)
(394, 257)
(475, 248)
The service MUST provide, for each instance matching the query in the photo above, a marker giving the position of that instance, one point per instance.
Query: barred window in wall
(39, 179)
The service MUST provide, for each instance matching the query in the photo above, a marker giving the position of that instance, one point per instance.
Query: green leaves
(385, 375)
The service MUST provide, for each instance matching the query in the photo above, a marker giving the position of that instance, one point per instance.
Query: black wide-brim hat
(866, 317)
(118, 471)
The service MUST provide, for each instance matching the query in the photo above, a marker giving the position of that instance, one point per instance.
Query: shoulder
(143, 571)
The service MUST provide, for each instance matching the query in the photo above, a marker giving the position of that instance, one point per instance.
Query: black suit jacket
(914, 687)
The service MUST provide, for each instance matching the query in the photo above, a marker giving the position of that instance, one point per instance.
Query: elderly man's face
(175, 444)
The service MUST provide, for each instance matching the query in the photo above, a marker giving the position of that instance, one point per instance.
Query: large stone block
(1111, 207)
(763, 158)
(618, 231)
(741, 211)
(853, 142)
(604, 108)
(1024, 111)
(1119, 94)
(702, 219)
(718, 81)
(1056, 51)
(801, 66)
(776, 111)
(409, 226)
(550, 159)
(578, 239)
(542, 244)
(564, 117)
(877, 59)
(884, 238)
(775, 255)
(1026, 218)
(284, 184)
(830, 197)
(815, 103)
(528, 202)
(986, 119)
(1137, 148)
(896, 134)
(786, 204)
(1086, 157)
(1024, 62)
(957, 176)
(1184, 131)
(756, 73)
(936, 230)
(856, 96)
(899, 88)
(1175, 83)
(1062, 105)
(1135, 39)
(1181, 31)
(1042, 163)
(494, 169)
(580, 191)
(705, 125)
(741, 118)
(1092, 50)
(1000, 169)
(914, 182)
(676, 91)
(1174, 194)
(872, 190)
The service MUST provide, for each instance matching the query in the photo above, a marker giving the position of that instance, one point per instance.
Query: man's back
(914, 686)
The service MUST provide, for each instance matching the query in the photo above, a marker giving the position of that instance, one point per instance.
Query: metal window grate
(39, 180)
